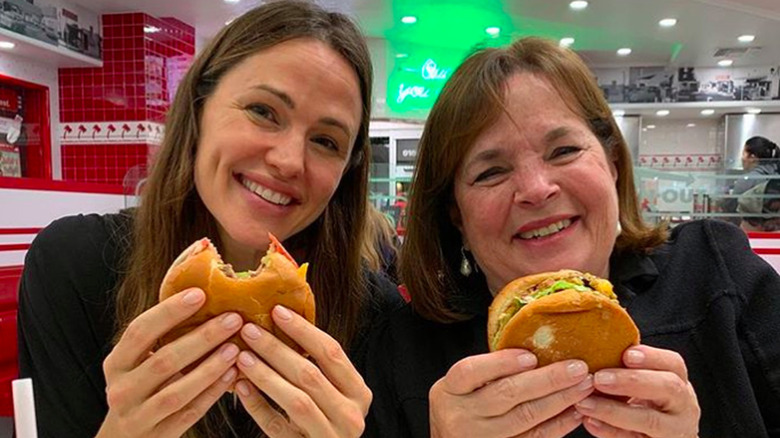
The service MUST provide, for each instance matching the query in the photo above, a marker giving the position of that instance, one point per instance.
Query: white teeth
(546, 231)
(266, 193)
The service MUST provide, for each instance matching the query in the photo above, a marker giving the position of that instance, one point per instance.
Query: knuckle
(523, 415)
(310, 377)
(366, 397)
(275, 425)
(301, 405)
(354, 422)
(189, 415)
(162, 363)
(677, 388)
(462, 369)
(170, 402)
(134, 333)
(653, 422)
(506, 389)
(116, 395)
(333, 351)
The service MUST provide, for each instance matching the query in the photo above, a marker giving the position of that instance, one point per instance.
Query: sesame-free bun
(568, 324)
(278, 280)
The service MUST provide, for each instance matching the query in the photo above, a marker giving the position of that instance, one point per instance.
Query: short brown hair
(470, 102)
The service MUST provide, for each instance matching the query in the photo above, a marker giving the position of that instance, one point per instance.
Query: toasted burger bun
(566, 324)
(278, 280)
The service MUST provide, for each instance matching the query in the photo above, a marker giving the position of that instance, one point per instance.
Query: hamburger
(562, 315)
(252, 294)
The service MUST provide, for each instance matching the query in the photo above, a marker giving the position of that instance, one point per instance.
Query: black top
(704, 294)
(66, 319)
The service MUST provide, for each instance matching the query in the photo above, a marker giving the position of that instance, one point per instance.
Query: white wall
(30, 71)
(675, 137)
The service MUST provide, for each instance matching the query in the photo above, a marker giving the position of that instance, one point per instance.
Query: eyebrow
(482, 156)
(556, 133)
(284, 97)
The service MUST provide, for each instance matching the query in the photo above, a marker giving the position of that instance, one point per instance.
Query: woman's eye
(493, 171)
(263, 111)
(564, 151)
(327, 142)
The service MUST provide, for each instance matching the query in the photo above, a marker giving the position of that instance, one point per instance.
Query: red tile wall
(106, 164)
(140, 54)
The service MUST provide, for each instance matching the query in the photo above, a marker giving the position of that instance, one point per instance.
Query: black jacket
(704, 294)
(66, 319)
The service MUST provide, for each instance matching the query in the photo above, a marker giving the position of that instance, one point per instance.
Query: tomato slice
(277, 247)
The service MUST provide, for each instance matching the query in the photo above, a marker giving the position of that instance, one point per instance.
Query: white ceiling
(602, 28)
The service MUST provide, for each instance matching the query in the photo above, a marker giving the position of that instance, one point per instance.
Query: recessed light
(578, 5)
(746, 38)
(625, 51)
(7, 45)
(650, 126)
(231, 1)
(725, 62)
(690, 125)
(618, 113)
(707, 112)
(662, 113)
(567, 41)
(409, 19)
(667, 22)
(493, 30)
(754, 110)
(151, 29)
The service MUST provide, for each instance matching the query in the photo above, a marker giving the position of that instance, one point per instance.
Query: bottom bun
(572, 325)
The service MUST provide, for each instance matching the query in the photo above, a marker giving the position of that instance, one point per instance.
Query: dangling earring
(619, 228)
(465, 265)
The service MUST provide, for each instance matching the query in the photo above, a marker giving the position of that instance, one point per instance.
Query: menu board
(10, 160)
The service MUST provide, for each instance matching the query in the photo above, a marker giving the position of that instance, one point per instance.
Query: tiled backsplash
(144, 58)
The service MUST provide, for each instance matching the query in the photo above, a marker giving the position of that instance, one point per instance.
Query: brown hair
(172, 215)
(470, 102)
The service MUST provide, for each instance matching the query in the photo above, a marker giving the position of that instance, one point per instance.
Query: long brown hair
(172, 215)
(472, 101)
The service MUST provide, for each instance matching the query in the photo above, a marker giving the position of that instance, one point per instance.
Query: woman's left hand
(326, 399)
(661, 400)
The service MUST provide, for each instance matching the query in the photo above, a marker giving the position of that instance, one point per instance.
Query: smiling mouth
(267, 194)
(549, 230)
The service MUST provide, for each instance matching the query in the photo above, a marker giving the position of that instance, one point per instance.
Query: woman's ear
(455, 217)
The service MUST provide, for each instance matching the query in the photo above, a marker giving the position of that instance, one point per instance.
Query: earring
(465, 265)
(619, 228)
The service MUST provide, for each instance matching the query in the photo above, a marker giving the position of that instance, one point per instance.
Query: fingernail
(586, 384)
(231, 321)
(635, 357)
(586, 404)
(243, 388)
(228, 352)
(527, 360)
(246, 359)
(193, 297)
(282, 313)
(577, 368)
(251, 331)
(605, 378)
(229, 375)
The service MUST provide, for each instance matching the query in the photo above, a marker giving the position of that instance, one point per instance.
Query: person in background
(382, 244)
(522, 169)
(268, 133)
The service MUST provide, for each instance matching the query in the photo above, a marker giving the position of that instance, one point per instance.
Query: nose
(534, 186)
(286, 157)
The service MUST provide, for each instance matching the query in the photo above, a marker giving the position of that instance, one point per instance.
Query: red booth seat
(9, 286)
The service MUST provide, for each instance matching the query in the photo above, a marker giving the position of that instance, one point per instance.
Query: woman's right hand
(147, 393)
(500, 394)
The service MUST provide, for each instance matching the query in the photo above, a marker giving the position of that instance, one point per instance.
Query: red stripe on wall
(767, 251)
(15, 247)
(59, 186)
(20, 230)
(760, 235)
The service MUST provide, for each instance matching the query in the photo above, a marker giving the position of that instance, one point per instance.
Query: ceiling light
(566, 42)
(667, 22)
(493, 30)
(409, 19)
(746, 38)
(754, 110)
(151, 29)
(707, 112)
(625, 51)
(662, 113)
(578, 5)
(650, 126)
(7, 45)
(690, 125)
(232, 1)
(725, 62)
(618, 113)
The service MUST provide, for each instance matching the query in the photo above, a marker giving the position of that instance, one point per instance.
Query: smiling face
(276, 136)
(536, 192)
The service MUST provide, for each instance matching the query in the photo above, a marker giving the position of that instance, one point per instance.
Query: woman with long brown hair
(268, 133)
